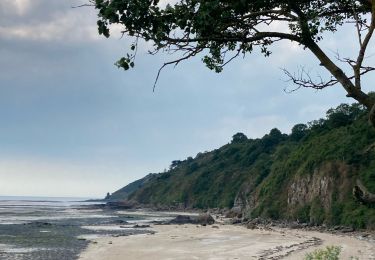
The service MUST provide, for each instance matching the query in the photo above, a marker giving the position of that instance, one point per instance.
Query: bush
(329, 253)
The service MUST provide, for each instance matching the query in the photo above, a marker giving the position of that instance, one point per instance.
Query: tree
(175, 164)
(298, 132)
(239, 138)
(342, 115)
(222, 30)
(273, 138)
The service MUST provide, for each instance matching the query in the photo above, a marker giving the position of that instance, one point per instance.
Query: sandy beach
(219, 242)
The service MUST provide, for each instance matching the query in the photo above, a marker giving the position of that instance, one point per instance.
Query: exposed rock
(181, 219)
(236, 221)
(202, 219)
(120, 205)
(141, 226)
(251, 226)
(319, 184)
(39, 224)
(347, 230)
(205, 219)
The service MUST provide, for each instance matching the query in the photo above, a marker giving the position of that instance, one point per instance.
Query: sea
(45, 228)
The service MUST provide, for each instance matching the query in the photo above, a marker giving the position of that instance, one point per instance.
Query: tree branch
(175, 62)
(238, 38)
(303, 79)
(362, 194)
(362, 50)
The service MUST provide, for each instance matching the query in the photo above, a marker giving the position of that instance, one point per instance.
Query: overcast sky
(72, 124)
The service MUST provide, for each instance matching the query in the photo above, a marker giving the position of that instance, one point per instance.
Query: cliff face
(305, 190)
(306, 176)
(313, 198)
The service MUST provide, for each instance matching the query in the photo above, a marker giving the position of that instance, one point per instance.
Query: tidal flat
(51, 230)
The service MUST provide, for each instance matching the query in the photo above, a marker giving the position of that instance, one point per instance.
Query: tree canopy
(239, 138)
(222, 30)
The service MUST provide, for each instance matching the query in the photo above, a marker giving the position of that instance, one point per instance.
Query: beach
(219, 242)
(66, 230)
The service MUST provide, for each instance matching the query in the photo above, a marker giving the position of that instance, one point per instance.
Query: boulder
(205, 219)
(251, 226)
(181, 219)
(202, 219)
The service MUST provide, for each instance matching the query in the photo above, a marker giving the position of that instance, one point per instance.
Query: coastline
(223, 241)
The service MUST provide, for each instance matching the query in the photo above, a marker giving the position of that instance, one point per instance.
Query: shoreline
(224, 241)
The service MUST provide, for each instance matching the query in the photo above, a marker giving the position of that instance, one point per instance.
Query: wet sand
(219, 242)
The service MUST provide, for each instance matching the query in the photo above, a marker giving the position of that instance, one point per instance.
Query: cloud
(19, 7)
(33, 21)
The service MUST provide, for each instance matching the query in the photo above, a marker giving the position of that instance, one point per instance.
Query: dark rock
(206, 219)
(202, 219)
(158, 222)
(236, 221)
(347, 230)
(245, 220)
(251, 226)
(233, 214)
(141, 226)
(336, 227)
(39, 224)
(181, 219)
(120, 205)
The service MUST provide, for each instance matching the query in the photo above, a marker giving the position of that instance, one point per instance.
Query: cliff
(306, 176)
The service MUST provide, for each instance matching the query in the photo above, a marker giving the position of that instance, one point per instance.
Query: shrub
(329, 253)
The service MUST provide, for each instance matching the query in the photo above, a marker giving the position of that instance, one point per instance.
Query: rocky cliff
(306, 176)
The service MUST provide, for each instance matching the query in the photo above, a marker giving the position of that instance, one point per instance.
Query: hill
(123, 193)
(308, 175)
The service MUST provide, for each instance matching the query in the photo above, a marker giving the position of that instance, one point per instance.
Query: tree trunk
(362, 194)
(371, 116)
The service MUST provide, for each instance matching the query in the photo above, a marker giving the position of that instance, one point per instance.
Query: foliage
(329, 253)
(298, 132)
(124, 192)
(221, 26)
(223, 30)
(239, 138)
(261, 170)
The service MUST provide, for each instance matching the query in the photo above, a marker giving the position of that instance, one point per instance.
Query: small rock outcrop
(202, 219)
(181, 219)
(205, 219)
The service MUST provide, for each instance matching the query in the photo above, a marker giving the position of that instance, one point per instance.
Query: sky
(73, 124)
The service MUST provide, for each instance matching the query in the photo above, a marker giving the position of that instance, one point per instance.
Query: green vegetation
(329, 253)
(123, 193)
(306, 176)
